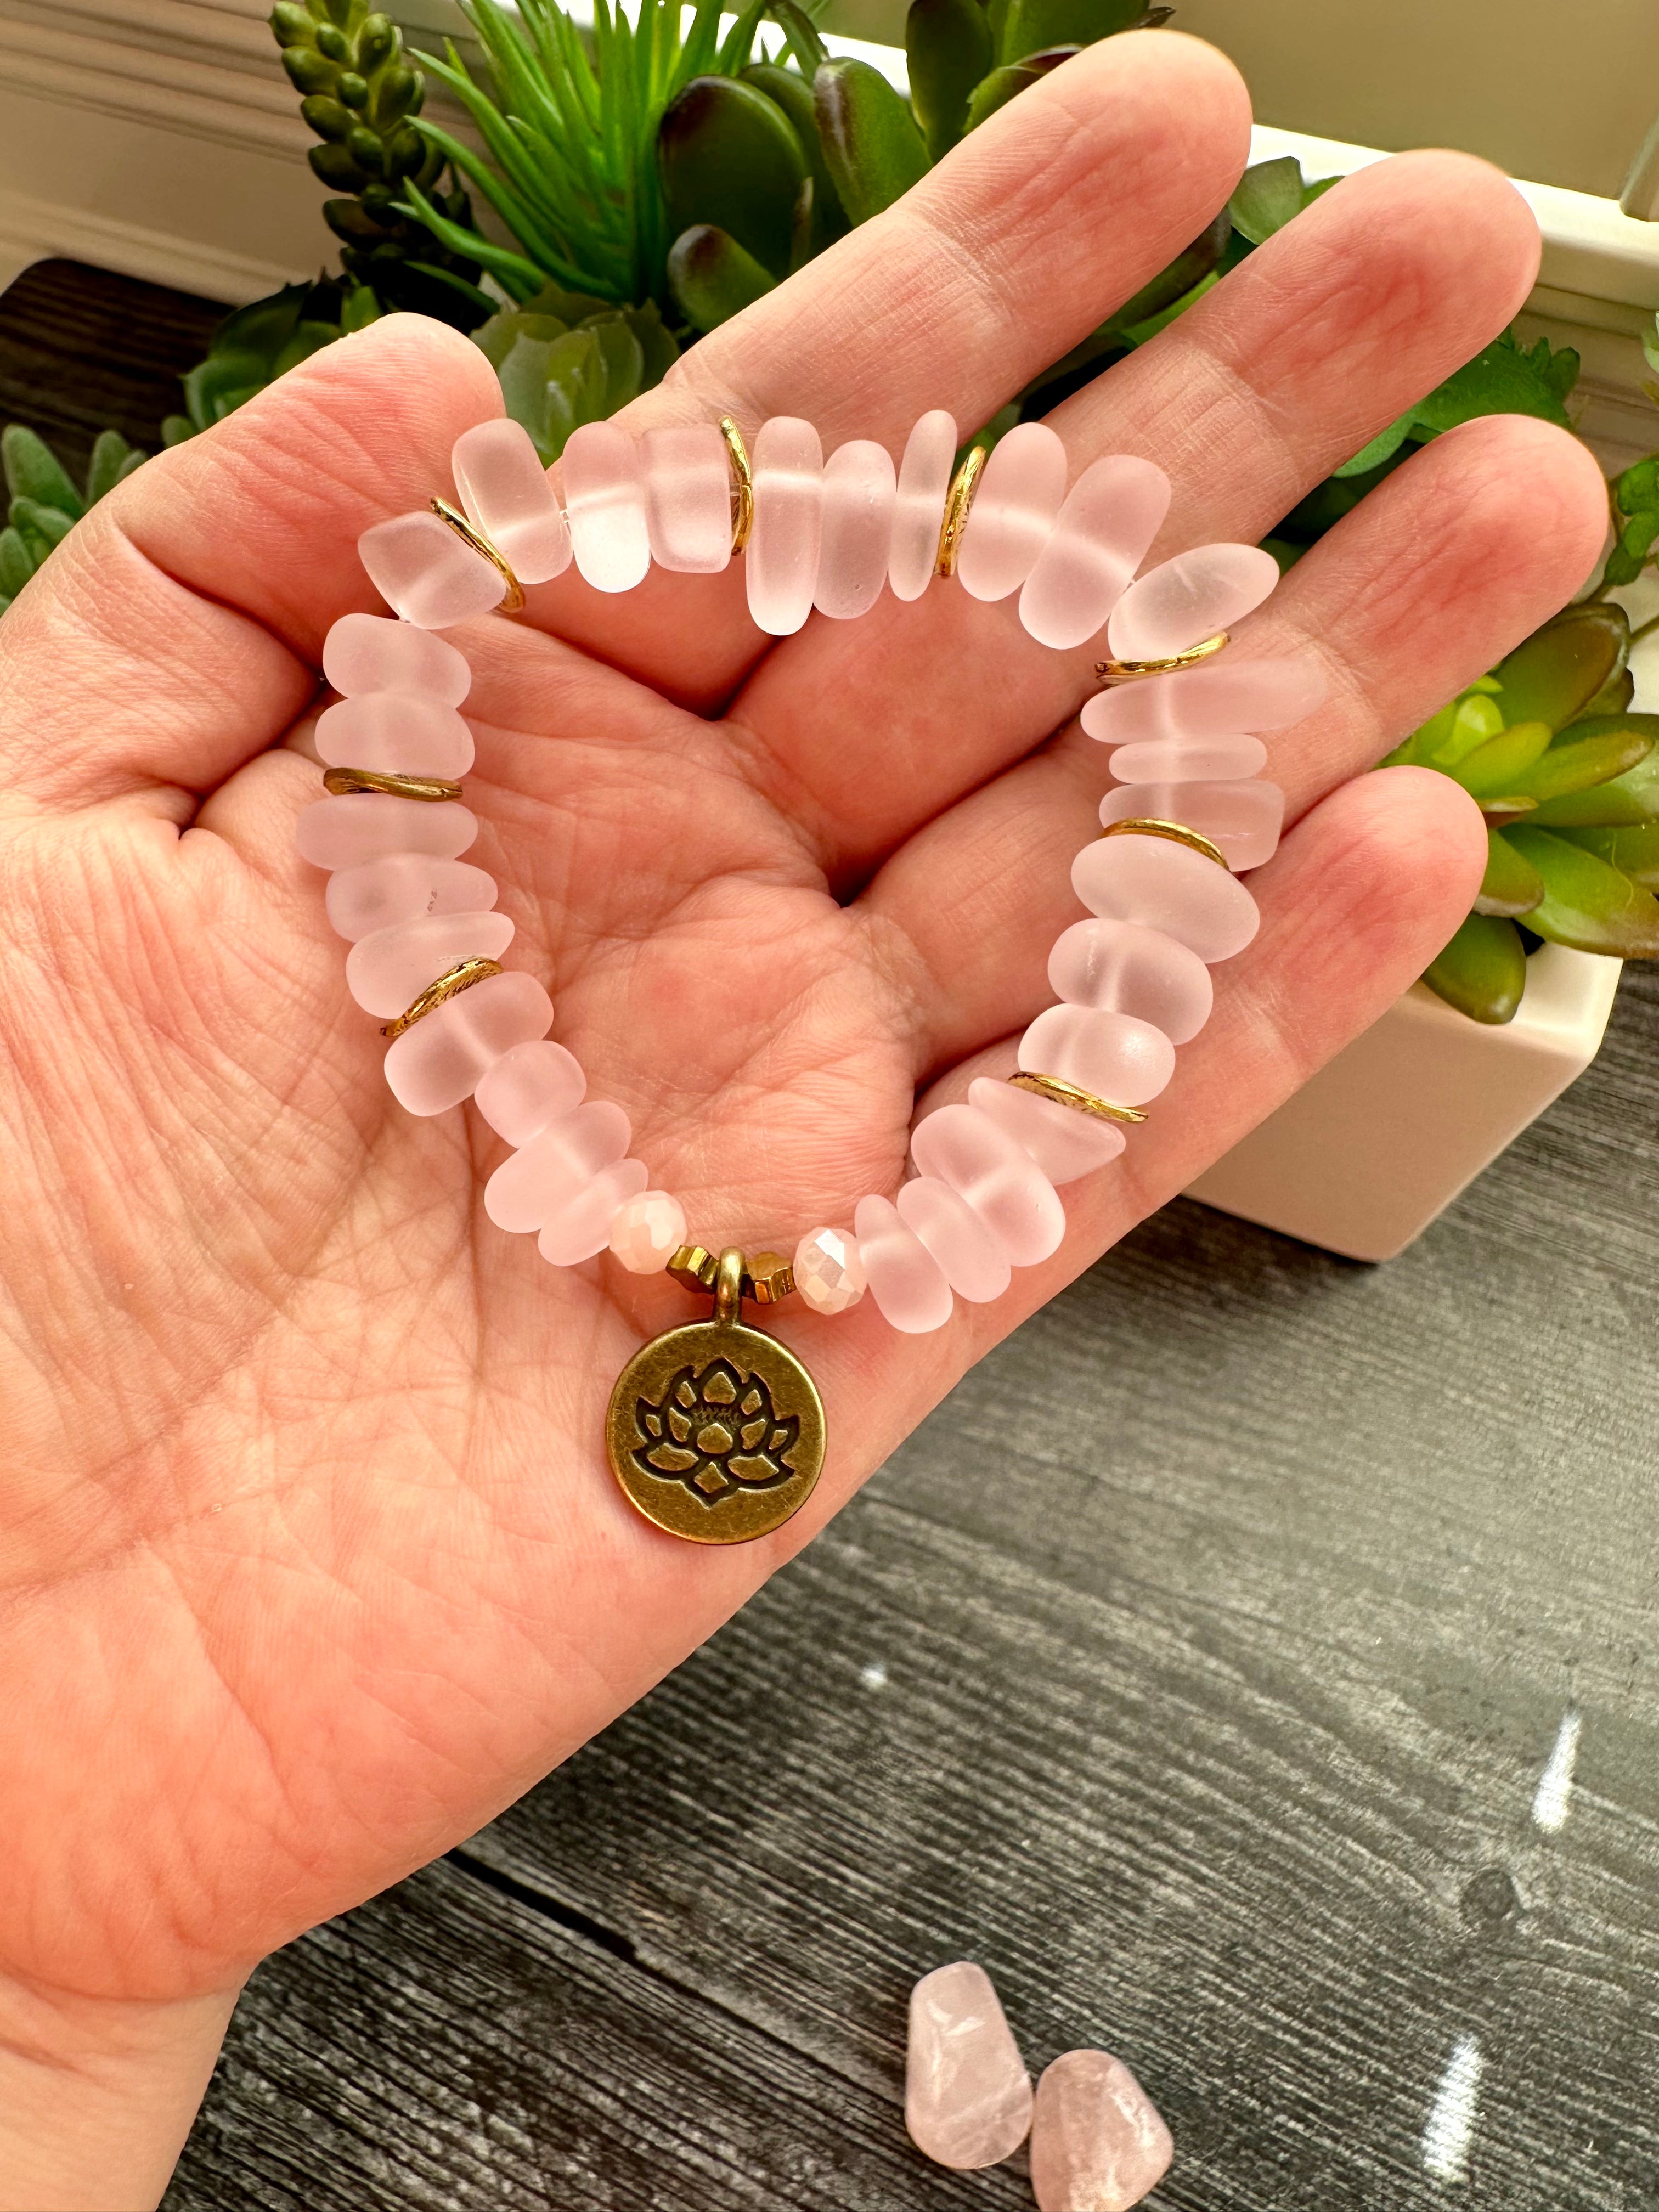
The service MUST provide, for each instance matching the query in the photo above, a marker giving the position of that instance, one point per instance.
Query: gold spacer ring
(958, 502)
(1145, 825)
(461, 977)
(1134, 672)
(1068, 1094)
(513, 597)
(344, 781)
(767, 1278)
(743, 484)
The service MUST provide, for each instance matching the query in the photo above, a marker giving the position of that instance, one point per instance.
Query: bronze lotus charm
(714, 1430)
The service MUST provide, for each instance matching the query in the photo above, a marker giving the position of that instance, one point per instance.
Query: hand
(312, 1558)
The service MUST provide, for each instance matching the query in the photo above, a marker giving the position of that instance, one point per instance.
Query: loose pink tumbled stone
(377, 653)
(364, 825)
(997, 1177)
(1114, 1055)
(859, 492)
(687, 498)
(1013, 511)
(1064, 1143)
(904, 1278)
(782, 559)
(438, 1063)
(389, 969)
(528, 1087)
(924, 479)
(647, 1230)
(604, 498)
(1217, 699)
(1122, 969)
(1167, 886)
(1183, 601)
(1189, 760)
(422, 569)
(402, 887)
(967, 2093)
(1097, 2143)
(559, 1161)
(970, 1258)
(508, 498)
(828, 1270)
(580, 1227)
(1243, 820)
(394, 735)
(1111, 515)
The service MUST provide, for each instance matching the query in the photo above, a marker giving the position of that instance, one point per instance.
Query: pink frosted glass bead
(782, 559)
(605, 499)
(437, 1063)
(904, 1278)
(387, 969)
(376, 653)
(969, 1257)
(647, 1230)
(1111, 515)
(423, 571)
(1013, 512)
(1189, 599)
(687, 498)
(528, 1087)
(1169, 887)
(362, 825)
(508, 498)
(1118, 1058)
(828, 1270)
(581, 1226)
(997, 1177)
(1097, 2142)
(1243, 820)
(526, 1191)
(924, 479)
(1121, 968)
(1064, 1143)
(1189, 760)
(859, 492)
(1215, 700)
(403, 887)
(394, 735)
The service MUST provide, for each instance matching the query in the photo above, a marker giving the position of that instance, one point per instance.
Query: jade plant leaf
(730, 158)
(1493, 767)
(1587, 903)
(712, 278)
(1622, 803)
(1483, 971)
(1633, 851)
(947, 45)
(874, 150)
(1557, 674)
(791, 92)
(1510, 884)
(1031, 26)
(1584, 755)
(1266, 198)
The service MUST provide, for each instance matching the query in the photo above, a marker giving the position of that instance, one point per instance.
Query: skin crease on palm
(311, 1561)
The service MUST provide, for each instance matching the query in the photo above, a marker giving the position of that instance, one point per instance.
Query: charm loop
(728, 1284)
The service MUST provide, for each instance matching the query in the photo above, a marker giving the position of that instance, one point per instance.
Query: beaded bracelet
(715, 1430)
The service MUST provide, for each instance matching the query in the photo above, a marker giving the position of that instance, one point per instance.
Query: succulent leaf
(1483, 971)
(16, 565)
(1556, 674)
(1494, 766)
(730, 158)
(947, 46)
(32, 471)
(1634, 851)
(1636, 516)
(874, 151)
(1504, 379)
(1266, 197)
(1582, 756)
(789, 90)
(1587, 903)
(713, 277)
(1031, 26)
(1510, 885)
(1622, 803)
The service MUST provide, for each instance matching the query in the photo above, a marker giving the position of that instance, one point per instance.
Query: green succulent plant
(45, 503)
(565, 358)
(260, 341)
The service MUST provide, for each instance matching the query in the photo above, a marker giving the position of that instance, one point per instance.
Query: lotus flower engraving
(716, 1431)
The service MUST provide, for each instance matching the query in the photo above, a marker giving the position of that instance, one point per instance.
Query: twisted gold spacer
(1145, 825)
(958, 502)
(767, 1278)
(512, 598)
(343, 781)
(1068, 1094)
(743, 485)
(1133, 671)
(461, 977)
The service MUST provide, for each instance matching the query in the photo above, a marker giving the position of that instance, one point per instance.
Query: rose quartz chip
(782, 559)
(1111, 515)
(647, 1230)
(546, 1174)
(394, 735)
(581, 1226)
(387, 969)
(364, 825)
(375, 652)
(605, 500)
(1189, 599)
(402, 887)
(1189, 760)
(1243, 820)
(997, 1177)
(1013, 511)
(508, 500)
(687, 498)
(858, 491)
(924, 479)
(904, 1278)
(423, 571)
(1116, 1057)
(1215, 700)
(438, 1062)
(1169, 887)
(1064, 1143)
(528, 1087)
(1097, 2144)
(828, 1270)
(970, 1259)
(967, 2093)
(1122, 969)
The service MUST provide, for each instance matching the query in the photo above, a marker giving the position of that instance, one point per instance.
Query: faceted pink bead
(423, 572)
(364, 825)
(1064, 1143)
(858, 491)
(782, 559)
(387, 969)
(1243, 820)
(997, 1177)
(543, 1176)
(403, 887)
(581, 1226)
(1121, 968)
(438, 1063)
(508, 498)
(1189, 599)
(829, 1270)
(1169, 887)
(1097, 2143)
(376, 653)
(924, 479)
(967, 2093)
(1111, 515)
(1217, 699)
(970, 1259)
(1189, 760)
(904, 1278)
(605, 499)
(1114, 1055)
(528, 1087)
(394, 735)
(647, 1230)
(1013, 511)
(687, 498)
